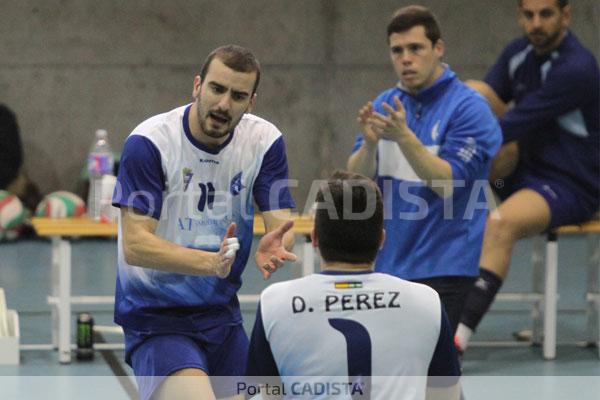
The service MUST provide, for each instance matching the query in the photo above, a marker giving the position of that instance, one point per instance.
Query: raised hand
(363, 120)
(271, 254)
(393, 126)
(226, 254)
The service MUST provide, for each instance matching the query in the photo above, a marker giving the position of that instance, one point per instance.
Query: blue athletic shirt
(556, 114)
(195, 193)
(427, 236)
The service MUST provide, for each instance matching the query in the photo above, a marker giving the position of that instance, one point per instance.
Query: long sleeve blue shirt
(427, 236)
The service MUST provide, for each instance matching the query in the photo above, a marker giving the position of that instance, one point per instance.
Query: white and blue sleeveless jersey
(378, 332)
(427, 236)
(195, 193)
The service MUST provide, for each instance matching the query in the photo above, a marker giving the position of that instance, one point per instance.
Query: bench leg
(550, 298)
(593, 290)
(308, 257)
(55, 288)
(537, 261)
(64, 303)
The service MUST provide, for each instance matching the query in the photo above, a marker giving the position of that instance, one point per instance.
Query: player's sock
(462, 336)
(479, 300)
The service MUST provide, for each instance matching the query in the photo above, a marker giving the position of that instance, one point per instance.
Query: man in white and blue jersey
(548, 169)
(186, 185)
(349, 332)
(428, 142)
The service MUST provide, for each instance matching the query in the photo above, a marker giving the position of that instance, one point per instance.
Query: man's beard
(227, 122)
(213, 133)
(544, 40)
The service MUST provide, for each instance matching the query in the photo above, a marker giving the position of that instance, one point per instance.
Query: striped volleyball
(61, 204)
(12, 215)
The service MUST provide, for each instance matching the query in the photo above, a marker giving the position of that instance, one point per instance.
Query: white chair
(545, 286)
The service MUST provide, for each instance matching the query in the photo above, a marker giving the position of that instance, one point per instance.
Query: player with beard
(186, 185)
(549, 164)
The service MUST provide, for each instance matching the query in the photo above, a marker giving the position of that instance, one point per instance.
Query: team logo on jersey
(187, 178)
(236, 186)
(434, 131)
(348, 285)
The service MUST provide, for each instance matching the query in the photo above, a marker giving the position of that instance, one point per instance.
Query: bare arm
(142, 247)
(435, 171)
(364, 160)
(498, 106)
(274, 219)
(275, 246)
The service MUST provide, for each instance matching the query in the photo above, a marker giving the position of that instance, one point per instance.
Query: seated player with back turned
(350, 331)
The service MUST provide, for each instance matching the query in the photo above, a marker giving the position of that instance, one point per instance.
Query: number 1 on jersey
(358, 351)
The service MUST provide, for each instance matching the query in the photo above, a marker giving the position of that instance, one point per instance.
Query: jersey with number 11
(194, 192)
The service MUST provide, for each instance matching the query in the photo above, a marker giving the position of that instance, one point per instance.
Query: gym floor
(511, 371)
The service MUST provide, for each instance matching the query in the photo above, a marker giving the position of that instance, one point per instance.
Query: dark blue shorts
(568, 203)
(219, 351)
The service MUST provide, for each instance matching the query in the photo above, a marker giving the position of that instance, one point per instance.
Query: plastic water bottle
(100, 163)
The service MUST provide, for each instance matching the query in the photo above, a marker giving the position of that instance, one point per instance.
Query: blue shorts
(219, 351)
(568, 204)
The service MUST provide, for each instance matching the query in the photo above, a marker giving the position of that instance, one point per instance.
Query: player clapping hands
(378, 126)
(364, 114)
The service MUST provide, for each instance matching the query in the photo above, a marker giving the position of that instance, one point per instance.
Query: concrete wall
(68, 67)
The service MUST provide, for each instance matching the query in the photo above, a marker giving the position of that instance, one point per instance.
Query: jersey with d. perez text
(339, 333)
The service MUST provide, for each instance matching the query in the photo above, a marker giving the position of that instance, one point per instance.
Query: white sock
(463, 334)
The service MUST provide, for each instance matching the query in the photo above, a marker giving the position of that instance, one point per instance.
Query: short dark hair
(408, 17)
(235, 57)
(343, 237)
(559, 3)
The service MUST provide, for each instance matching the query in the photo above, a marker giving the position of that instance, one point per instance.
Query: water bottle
(100, 163)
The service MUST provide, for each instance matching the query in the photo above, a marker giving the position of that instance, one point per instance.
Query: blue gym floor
(490, 372)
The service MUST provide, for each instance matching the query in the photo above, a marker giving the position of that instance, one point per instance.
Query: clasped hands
(378, 126)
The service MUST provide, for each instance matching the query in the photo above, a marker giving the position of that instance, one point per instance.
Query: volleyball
(61, 204)
(12, 215)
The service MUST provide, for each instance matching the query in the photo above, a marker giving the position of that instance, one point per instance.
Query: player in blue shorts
(548, 170)
(186, 186)
(349, 332)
